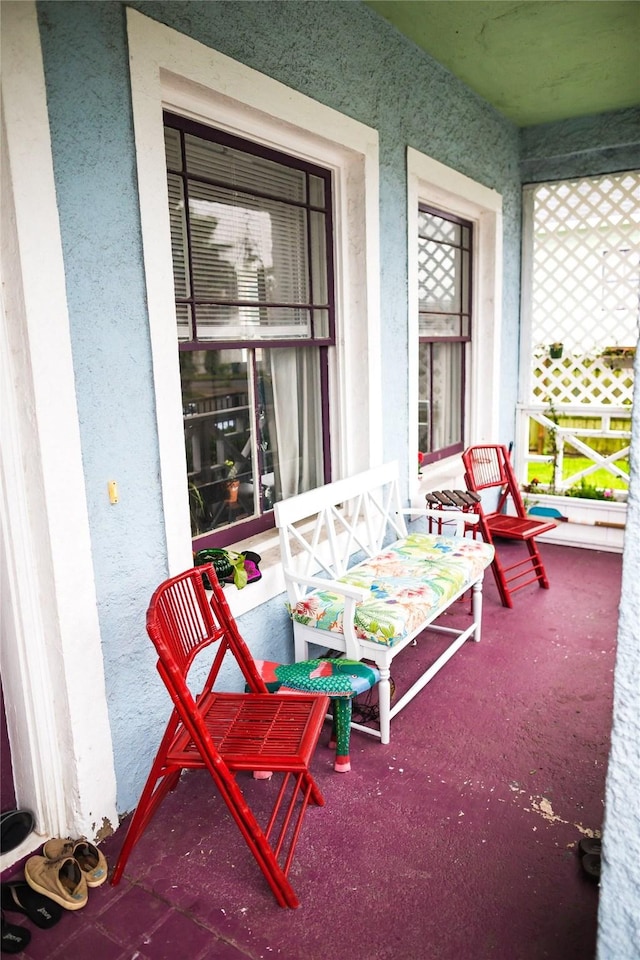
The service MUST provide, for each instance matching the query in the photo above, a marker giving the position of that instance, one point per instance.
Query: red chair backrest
(489, 465)
(484, 466)
(182, 620)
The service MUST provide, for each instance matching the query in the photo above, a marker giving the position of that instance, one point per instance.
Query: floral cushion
(410, 583)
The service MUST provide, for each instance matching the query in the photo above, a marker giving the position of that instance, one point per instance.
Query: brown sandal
(90, 860)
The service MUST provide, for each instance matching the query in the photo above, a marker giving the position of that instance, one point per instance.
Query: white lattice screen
(580, 378)
(585, 287)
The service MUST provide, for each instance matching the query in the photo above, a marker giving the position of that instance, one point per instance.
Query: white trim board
(51, 652)
(173, 71)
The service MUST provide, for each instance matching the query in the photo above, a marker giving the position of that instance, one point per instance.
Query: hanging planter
(618, 358)
(555, 350)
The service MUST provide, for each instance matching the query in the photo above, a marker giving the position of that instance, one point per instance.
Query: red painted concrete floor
(457, 841)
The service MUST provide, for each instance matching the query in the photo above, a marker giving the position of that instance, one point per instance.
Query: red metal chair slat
(228, 733)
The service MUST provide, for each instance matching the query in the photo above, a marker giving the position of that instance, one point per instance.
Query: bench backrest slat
(346, 517)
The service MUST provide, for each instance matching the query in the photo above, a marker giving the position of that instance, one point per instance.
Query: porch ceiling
(534, 62)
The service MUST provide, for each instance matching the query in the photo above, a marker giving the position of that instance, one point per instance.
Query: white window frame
(171, 71)
(461, 278)
(439, 186)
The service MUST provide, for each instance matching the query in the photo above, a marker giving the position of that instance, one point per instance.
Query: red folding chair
(488, 467)
(228, 733)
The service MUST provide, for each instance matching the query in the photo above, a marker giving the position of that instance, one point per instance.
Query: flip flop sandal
(590, 845)
(591, 865)
(15, 826)
(14, 938)
(20, 898)
(90, 860)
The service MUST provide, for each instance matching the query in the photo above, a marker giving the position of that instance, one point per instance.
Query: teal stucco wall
(582, 147)
(340, 54)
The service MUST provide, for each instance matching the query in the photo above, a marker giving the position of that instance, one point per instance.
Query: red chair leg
(160, 781)
(150, 800)
(538, 565)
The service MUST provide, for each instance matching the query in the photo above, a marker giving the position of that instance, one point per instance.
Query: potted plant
(555, 350)
(225, 563)
(197, 510)
(588, 491)
(232, 484)
(618, 357)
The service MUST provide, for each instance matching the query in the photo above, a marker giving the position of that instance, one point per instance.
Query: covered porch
(95, 504)
(458, 839)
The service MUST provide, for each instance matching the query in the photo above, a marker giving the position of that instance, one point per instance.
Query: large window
(444, 328)
(251, 236)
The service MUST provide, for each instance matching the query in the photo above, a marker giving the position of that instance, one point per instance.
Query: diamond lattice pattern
(585, 287)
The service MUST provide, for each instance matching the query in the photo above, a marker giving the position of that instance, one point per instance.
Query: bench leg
(384, 703)
(476, 606)
(300, 646)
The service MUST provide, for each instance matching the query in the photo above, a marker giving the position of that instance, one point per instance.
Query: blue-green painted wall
(582, 147)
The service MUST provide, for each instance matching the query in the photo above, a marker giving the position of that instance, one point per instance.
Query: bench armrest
(345, 589)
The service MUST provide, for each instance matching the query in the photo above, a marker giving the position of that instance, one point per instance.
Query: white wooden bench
(359, 583)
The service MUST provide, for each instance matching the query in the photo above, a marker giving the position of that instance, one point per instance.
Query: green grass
(571, 465)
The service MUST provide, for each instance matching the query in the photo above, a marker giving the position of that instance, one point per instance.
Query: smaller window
(444, 330)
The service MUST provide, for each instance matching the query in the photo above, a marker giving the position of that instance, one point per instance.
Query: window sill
(441, 475)
(271, 583)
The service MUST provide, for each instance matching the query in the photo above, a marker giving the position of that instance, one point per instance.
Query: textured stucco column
(619, 916)
(52, 670)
